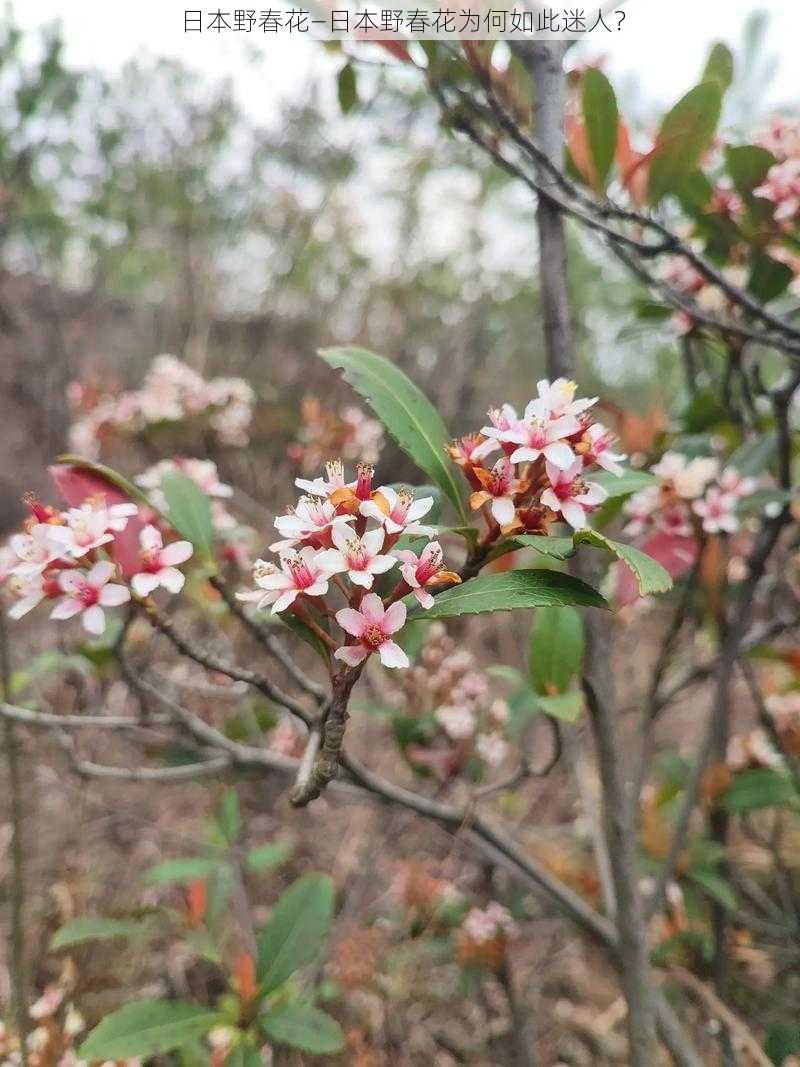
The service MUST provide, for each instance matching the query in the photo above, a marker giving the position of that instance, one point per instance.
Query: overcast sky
(661, 44)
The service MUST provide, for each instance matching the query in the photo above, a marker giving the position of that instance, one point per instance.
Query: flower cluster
(351, 434)
(235, 541)
(171, 392)
(346, 534)
(458, 721)
(782, 187)
(484, 936)
(541, 476)
(694, 494)
(689, 282)
(69, 557)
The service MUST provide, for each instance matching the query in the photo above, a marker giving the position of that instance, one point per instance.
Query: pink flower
(596, 449)
(457, 721)
(555, 399)
(34, 550)
(539, 434)
(717, 510)
(88, 527)
(505, 421)
(311, 521)
(570, 496)
(500, 486)
(356, 556)
(373, 625)
(494, 921)
(492, 748)
(419, 571)
(398, 512)
(470, 450)
(159, 563)
(88, 594)
(782, 187)
(301, 572)
(323, 487)
(731, 481)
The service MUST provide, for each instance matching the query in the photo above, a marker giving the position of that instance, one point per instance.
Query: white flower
(373, 625)
(457, 722)
(401, 511)
(159, 563)
(688, 477)
(311, 520)
(570, 496)
(356, 556)
(492, 748)
(301, 572)
(718, 511)
(36, 549)
(88, 594)
(557, 398)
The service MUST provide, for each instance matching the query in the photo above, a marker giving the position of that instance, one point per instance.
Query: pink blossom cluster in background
(171, 392)
(460, 719)
(548, 454)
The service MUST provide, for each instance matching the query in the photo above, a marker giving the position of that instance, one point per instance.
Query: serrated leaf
(180, 871)
(719, 66)
(564, 706)
(189, 511)
(305, 1027)
(296, 930)
(686, 132)
(601, 117)
(265, 857)
(556, 547)
(79, 931)
(509, 592)
(405, 412)
(650, 576)
(147, 1028)
(555, 651)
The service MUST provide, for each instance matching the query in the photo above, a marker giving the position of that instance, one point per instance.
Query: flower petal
(394, 617)
(66, 608)
(392, 655)
(111, 596)
(94, 620)
(352, 621)
(144, 584)
(177, 552)
(352, 655)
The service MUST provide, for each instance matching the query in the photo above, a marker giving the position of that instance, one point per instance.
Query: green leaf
(555, 650)
(564, 706)
(601, 116)
(509, 591)
(147, 1028)
(748, 165)
(297, 927)
(753, 457)
(229, 818)
(717, 887)
(685, 134)
(629, 481)
(762, 788)
(304, 632)
(650, 576)
(303, 1026)
(189, 511)
(244, 1055)
(783, 1040)
(266, 856)
(79, 931)
(180, 871)
(768, 277)
(405, 412)
(556, 547)
(347, 88)
(719, 66)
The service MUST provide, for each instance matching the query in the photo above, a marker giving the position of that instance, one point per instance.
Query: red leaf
(675, 554)
(77, 485)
